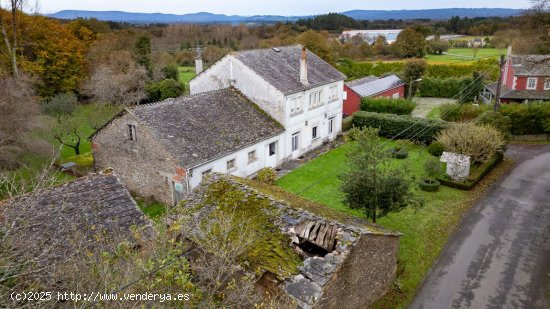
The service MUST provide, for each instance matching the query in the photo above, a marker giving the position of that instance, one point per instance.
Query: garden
(427, 225)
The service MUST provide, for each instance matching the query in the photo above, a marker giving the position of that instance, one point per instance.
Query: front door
(272, 154)
(331, 127)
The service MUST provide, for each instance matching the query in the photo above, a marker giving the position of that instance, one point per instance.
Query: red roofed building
(390, 87)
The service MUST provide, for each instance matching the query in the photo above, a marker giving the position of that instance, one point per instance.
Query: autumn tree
(317, 42)
(437, 45)
(409, 43)
(143, 54)
(414, 69)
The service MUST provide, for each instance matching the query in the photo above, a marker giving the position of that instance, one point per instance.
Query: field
(186, 74)
(425, 231)
(463, 55)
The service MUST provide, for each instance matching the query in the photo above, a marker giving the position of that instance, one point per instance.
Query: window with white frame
(296, 105)
(333, 93)
(314, 133)
(231, 165)
(532, 83)
(331, 125)
(208, 171)
(252, 157)
(547, 84)
(273, 149)
(395, 95)
(132, 132)
(295, 141)
(315, 99)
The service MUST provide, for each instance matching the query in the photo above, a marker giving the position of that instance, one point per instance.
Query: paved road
(500, 256)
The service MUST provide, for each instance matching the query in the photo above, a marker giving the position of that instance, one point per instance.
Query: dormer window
(132, 132)
(532, 83)
(333, 94)
(315, 99)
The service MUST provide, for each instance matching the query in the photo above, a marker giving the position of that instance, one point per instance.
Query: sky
(266, 7)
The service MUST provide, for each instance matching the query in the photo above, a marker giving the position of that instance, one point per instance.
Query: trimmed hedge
(388, 105)
(400, 127)
(476, 176)
(462, 112)
(443, 87)
(347, 123)
(429, 186)
(527, 118)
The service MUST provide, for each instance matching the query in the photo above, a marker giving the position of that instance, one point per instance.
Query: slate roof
(531, 65)
(360, 81)
(507, 93)
(202, 127)
(281, 68)
(368, 87)
(53, 219)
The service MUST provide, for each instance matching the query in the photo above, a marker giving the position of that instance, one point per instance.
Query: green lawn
(186, 74)
(435, 113)
(424, 231)
(463, 55)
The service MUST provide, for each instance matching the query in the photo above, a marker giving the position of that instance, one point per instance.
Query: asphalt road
(500, 256)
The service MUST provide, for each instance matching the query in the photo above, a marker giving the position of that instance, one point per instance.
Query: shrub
(171, 71)
(347, 123)
(399, 153)
(481, 142)
(388, 105)
(496, 120)
(164, 89)
(61, 104)
(402, 127)
(436, 149)
(351, 134)
(462, 112)
(267, 175)
(432, 168)
(443, 87)
(528, 118)
(429, 185)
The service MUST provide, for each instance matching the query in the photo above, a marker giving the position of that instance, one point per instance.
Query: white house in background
(250, 110)
(293, 85)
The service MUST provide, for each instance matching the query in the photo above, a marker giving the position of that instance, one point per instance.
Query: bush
(443, 87)
(61, 104)
(462, 112)
(429, 185)
(399, 153)
(164, 89)
(347, 123)
(171, 72)
(267, 175)
(527, 118)
(496, 120)
(436, 149)
(480, 142)
(476, 175)
(351, 134)
(402, 127)
(432, 168)
(388, 105)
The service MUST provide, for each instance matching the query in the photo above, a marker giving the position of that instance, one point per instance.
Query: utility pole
(499, 85)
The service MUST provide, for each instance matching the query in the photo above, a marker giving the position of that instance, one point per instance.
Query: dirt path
(500, 256)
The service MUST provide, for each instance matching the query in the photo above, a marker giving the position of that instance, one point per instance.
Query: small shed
(458, 165)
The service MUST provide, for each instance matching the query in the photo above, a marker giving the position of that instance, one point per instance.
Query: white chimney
(198, 60)
(303, 67)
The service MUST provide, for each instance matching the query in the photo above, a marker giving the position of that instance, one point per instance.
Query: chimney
(198, 61)
(303, 67)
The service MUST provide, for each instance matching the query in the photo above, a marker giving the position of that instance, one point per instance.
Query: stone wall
(143, 165)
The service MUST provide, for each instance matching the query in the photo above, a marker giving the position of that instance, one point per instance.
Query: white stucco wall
(215, 77)
(243, 167)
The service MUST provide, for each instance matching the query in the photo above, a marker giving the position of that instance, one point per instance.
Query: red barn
(390, 87)
(525, 78)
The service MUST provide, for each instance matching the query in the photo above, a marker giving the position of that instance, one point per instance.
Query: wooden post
(499, 85)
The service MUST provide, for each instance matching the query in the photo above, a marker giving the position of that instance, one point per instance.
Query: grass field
(463, 55)
(425, 231)
(186, 74)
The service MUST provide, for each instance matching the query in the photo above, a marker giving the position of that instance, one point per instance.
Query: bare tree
(16, 6)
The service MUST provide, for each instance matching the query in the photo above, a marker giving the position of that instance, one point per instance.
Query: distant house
(343, 261)
(526, 78)
(389, 87)
(55, 223)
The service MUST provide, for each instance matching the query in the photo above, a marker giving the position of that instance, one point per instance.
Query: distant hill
(207, 18)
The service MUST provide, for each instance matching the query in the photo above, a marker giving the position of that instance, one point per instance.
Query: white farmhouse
(250, 110)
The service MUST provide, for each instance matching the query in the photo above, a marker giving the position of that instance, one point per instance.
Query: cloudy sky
(279, 7)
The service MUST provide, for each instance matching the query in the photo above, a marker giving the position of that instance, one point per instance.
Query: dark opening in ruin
(311, 249)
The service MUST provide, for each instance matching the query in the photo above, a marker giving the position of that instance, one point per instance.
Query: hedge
(462, 112)
(347, 123)
(443, 87)
(388, 105)
(527, 118)
(476, 176)
(401, 127)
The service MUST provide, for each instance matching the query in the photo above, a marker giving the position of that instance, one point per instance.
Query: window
(132, 132)
(295, 141)
(296, 106)
(395, 96)
(315, 99)
(547, 84)
(231, 165)
(331, 125)
(314, 132)
(532, 83)
(252, 156)
(333, 94)
(272, 149)
(208, 171)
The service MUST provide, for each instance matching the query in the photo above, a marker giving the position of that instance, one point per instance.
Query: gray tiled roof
(368, 87)
(361, 81)
(506, 93)
(208, 125)
(281, 68)
(53, 219)
(531, 65)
